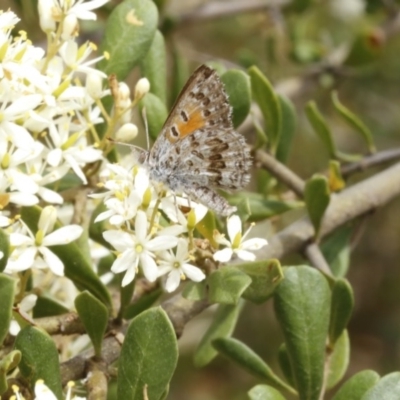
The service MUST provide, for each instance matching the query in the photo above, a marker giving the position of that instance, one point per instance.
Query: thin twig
(280, 171)
(373, 160)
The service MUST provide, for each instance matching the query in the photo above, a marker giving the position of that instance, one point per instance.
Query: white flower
(138, 248)
(32, 250)
(42, 392)
(177, 267)
(237, 244)
(347, 10)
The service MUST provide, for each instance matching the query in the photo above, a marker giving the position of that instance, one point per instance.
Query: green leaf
(336, 250)
(265, 275)
(222, 326)
(354, 121)
(284, 364)
(341, 308)
(288, 128)
(4, 248)
(149, 356)
(357, 385)
(76, 266)
(128, 35)
(47, 307)
(94, 316)
(195, 291)
(248, 360)
(227, 284)
(96, 229)
(302, 303)
(321, 127)
(39, 358)
(126, 294)
(267, 100)
(339, 360)
(154, 67)
(387, 388)
(317, 197)
(7, 289)
(142, 304)
(206, 228)
(237, 86)
(259, 208)
(264, 392)
(8, 363)
(156, 113)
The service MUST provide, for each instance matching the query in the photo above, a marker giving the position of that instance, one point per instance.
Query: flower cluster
(50, 106)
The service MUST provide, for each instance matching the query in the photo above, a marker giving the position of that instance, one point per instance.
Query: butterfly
(198, 151)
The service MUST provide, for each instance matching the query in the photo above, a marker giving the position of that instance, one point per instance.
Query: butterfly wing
(198, 145)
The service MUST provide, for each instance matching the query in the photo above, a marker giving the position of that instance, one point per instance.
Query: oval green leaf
(46, 307)
(302, 303)
(94, 316)
(156, 113)
(149, 356)
(341, 308)
(321, 127)
(77, 268)
(8, 363)
(7, 289)
(128, 36)
(339, 360)
(223, 324)
(354, 121)
(154, 67)
(288, 128)
(4, 248)
(265, 275)
(39, 358)
(387, 388)
(226, 285)
(317, 197)
(267, 100)
(237, 86)
(357, 386)
(238, 352)
(264, 392)
(284, 363)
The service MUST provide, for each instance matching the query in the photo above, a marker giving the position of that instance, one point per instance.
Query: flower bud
(47, 219)
(70, 27)
(46, 20)
(142, 87)
(126, 133)
(94, 84)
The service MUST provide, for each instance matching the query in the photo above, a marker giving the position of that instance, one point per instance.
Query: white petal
(23, 262)
(18, 239)
(141, 225)
(129, 276)
(223, 255)
(50, 196)
(193, 273)
(173, 280)
(149, 267)
(23, 199)
(234, 226)
(124, 261)
(54, 157)
(64, 235)
(253, 244)
(42, 392)
(162, 243)
(245, 255)
(52, 261)
(28, 302)
(182, 250)
(173, 230)
(119, 240)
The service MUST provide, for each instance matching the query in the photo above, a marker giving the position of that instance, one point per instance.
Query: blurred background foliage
(306, 48)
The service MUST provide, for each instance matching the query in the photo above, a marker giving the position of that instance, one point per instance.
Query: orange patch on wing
(196, 121)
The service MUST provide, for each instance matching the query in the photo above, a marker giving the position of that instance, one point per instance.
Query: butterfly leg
(210, 199)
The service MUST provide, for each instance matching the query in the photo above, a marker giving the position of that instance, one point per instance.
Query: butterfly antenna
(146, 127)
(124, 144)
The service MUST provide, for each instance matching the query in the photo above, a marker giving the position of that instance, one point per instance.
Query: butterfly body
(198, 150)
